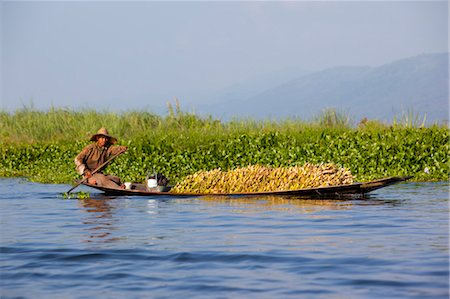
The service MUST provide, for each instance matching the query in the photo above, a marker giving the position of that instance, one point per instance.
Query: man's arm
(80, 166)
(114, 150)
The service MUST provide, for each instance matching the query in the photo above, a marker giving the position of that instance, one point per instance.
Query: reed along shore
(41, 145)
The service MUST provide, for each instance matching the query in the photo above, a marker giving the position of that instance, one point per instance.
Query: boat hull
(355, 189)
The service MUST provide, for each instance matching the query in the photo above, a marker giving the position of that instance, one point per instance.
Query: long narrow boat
(356, 189)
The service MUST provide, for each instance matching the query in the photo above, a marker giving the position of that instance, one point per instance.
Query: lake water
(394, 244)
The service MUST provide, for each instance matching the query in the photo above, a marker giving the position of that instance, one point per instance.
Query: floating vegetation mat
(76, 195)
(257, 178)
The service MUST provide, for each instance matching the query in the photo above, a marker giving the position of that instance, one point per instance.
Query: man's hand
(87, 174)
(123, 149)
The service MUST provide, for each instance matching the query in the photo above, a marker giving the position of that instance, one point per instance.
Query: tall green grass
(42, 145)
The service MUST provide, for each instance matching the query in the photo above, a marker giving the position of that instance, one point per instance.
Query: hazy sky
(142, 54)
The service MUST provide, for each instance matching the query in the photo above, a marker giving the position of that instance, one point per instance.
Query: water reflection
(101, 206)
(152, 206)
(278, 203)
(100, 220)
(101, 223)
(295, 204)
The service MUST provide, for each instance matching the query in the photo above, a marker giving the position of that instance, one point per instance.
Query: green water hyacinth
(76, 195)
(42, 145)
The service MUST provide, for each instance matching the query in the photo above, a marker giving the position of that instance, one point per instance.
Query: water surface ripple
(394, 244)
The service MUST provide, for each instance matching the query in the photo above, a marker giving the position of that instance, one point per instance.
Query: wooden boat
(356, 189)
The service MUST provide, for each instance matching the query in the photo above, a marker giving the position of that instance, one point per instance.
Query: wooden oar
(95, 170)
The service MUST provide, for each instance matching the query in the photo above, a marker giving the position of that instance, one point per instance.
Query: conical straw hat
(103, 132)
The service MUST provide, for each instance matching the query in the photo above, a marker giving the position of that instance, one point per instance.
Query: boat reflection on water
(279, 203)
(96, 205)
(100, 221)
(296, 204)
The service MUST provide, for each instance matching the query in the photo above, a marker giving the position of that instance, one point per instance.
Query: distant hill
(418, 84)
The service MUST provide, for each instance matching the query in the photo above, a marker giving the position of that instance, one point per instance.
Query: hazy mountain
(217, 103)
(418, 84)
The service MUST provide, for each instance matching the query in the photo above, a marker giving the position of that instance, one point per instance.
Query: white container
(128, 185)
(152, 183)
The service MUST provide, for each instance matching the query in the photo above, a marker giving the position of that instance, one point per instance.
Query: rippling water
(394, 244)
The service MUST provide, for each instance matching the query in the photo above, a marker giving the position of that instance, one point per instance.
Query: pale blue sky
(139, 55)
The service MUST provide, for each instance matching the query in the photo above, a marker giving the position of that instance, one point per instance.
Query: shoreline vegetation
(41, 145)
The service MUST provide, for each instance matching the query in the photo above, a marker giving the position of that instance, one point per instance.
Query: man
(94, 155)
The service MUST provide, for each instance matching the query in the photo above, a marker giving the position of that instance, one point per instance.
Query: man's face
(102, 140)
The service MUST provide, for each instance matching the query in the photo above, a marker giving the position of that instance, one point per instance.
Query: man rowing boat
(94, 155)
